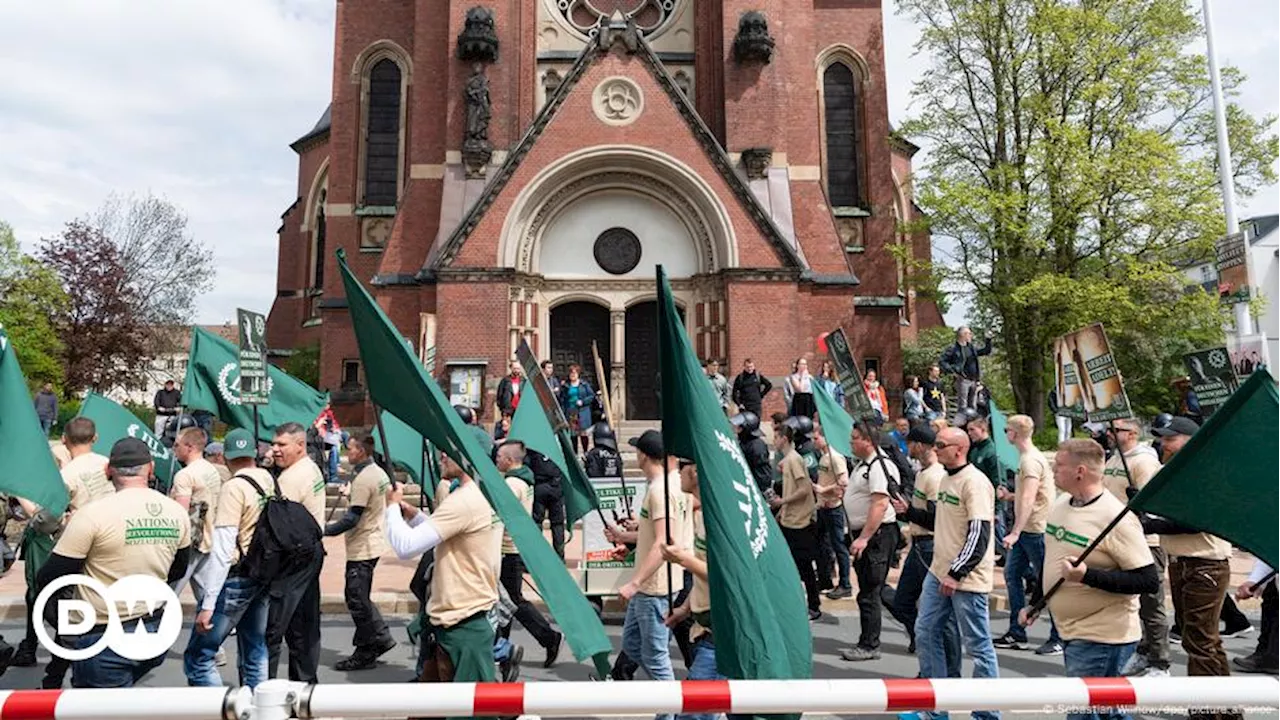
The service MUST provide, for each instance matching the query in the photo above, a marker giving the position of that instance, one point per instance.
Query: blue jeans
(970, 611)
(704, 668)
(834, 523)
(242, 605)
(333, 463)
(46, 424)
(107, 669)
(646, 640)
(1085, 658)
(1025, 560)
(906, 598)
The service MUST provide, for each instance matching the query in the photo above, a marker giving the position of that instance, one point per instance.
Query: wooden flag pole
(604, 387)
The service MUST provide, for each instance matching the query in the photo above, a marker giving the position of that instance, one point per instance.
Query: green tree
(304, 364)
(29, 296)
(925, 349)
(1072, 167)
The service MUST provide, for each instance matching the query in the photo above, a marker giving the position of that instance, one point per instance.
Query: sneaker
(1175, 633)
(384, 647)
(359, 660)
(1230, 631)
(857, 653)
(815, 615)
(553, 651)
(220, 659)
(511, 668)
(839, 593)
(1154, 672)
(1136, 665)
(1254, 664)
(1052, 647)
(1009, 642)
(911, 716)
(25, 656)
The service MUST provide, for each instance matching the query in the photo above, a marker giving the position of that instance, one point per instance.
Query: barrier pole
(178, 703)
(586, 699)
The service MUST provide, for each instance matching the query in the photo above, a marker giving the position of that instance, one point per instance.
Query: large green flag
(758, 608)
(29, 470)
(213, 384)
(530, 426)
(1224, 480)
(406, 452)
(1007, 456)
(837, 425)
(114, 422)
(399, 384)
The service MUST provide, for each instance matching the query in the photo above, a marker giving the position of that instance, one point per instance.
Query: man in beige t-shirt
(135, 531)
(467, 538)
(295, 600)
(796, 508)
(833, 480)
(1033, 492)
(362, 524)
(196, 487)
(1096, 608)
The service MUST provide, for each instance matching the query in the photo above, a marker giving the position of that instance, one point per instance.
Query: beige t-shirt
(1034, 465)
(524, 493)
(926, 491)
(61, 455)
(964, 496)
(680, 523)
(303, 482)
(867, 480)
(1143, 465)
(224, 472)
(467, 559)
(368, 539)
(86, 479)
(240, 505)
(832, 470)
(201, 482)
(1082, 612)
(1196, 545)
(796, 514)
(136, 531)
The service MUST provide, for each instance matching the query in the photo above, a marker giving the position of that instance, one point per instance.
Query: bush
(925, 350)
(67, 409)
(144, 412)
(304, 364)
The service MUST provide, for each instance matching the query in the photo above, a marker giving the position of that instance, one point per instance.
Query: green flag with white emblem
(837, 425)
(758, 611)
(113, 422)
(29, 469)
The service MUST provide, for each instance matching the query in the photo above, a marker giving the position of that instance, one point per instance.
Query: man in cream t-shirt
(1096, 609)
(135, 531)
(195, 488)
(362, 525)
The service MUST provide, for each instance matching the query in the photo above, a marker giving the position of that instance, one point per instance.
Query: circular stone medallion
(618, 101)
(617, 251)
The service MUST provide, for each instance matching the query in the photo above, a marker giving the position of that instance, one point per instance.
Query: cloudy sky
(198, 102)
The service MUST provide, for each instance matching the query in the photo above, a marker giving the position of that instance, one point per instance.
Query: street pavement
(831, 634)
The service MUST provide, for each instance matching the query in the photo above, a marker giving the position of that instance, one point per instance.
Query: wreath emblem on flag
(225, 386)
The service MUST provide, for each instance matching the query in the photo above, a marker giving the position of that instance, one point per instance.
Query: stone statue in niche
(476, 148)
(753, 43)
(478, 41)
(756, 161)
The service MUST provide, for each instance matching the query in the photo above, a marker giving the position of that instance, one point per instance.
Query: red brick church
(515, 170)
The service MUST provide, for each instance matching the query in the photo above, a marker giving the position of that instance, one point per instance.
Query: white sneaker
(1153, 672)
(1135, 666)
(221, 658)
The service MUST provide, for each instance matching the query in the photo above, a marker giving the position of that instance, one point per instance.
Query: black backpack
(286, 539)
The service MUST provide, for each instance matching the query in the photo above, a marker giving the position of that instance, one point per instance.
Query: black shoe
(1009, 642)
(384, 647)
(911, 647)
(839, 593)
(359, 660)
(6, 655)
(511, 668)
(815, 615)
(1175, 633)
(553, 651)
(1255, 664)
(1229, 631)
(25, 656)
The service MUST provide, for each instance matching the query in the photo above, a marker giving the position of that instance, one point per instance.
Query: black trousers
(872, 569)
(1267, 637)
(803, 543)
(512, 577)
(294, 617)
(548, 503)
(371, 630)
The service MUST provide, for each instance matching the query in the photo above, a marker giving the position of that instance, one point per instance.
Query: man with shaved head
(961, 574)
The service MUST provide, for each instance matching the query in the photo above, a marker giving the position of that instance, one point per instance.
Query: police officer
(603, 460)
(754, 449)
(136, 531)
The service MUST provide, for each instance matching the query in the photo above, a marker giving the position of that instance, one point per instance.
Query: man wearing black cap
(1199, 571)
(136, 531)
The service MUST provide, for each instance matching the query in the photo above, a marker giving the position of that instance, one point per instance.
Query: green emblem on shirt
(948, 498)
(1061, 534)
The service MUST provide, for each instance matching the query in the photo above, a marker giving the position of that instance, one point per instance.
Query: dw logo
(135, 593)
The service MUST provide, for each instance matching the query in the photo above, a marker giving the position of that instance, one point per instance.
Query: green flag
(1224, 480)
(758, 610)
(114, 422)
(213, 384)
(1007, 456)
(399, 384)
(837, 425)
(530, 426)
(29, 470)
(406, 447)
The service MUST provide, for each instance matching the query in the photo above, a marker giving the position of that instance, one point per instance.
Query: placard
(253, 357)
(1213, 379)
(1086, 377)
(533, 375)
(855, 395)
(600, 573)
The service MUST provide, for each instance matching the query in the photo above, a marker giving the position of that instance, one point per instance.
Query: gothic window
(382, 134)
(842, 111)
(317, 255)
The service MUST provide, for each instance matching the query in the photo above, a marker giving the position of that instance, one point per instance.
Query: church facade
(515, 170)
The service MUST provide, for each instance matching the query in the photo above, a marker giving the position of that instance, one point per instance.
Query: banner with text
(601, 572)
(1086, 377)
(1212, 377)
(855, 395)
(253, 357)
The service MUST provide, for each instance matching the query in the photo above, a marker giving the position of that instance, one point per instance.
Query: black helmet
(602, 435)
(746, 423)
(467, 414)
(176, 425)
(1161, 421)
(801, 424)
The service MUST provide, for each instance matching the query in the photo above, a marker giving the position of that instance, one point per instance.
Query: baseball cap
(129, 452)
(1178, 426)
(239, 444)
(649, 443)
(214, 448)
(922, 434)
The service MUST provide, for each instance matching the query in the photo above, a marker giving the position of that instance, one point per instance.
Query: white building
(167, 366)
(1263, 236)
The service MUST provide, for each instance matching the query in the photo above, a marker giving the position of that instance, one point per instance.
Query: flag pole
(386, 447)
(666, 463)
(1253, 589)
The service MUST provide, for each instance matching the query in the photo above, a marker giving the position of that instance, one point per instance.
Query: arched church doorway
(574, 325)
(643, 384)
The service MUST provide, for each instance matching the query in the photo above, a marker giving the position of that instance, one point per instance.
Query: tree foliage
(925, 350)
(304, 364)
(30, 296)
(1072, 166)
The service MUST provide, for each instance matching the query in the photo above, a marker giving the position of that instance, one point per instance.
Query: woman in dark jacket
(576, 396)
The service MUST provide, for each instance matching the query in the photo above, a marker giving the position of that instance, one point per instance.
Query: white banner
(601, 573)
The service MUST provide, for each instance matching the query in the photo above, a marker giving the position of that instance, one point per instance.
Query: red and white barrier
(578, 699)
(180, 703)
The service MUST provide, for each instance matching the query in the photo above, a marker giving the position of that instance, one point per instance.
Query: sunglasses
(942, 445)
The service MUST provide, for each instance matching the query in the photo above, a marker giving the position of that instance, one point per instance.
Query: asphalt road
(831, 634)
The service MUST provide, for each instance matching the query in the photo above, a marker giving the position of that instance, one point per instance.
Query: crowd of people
(923, 492)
